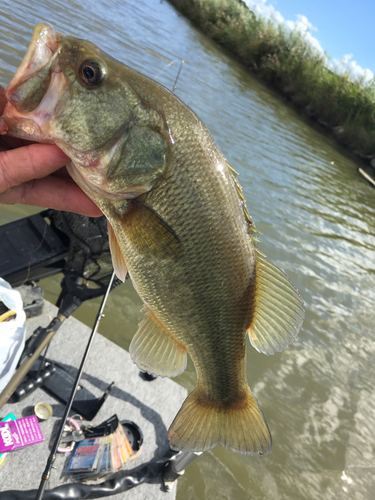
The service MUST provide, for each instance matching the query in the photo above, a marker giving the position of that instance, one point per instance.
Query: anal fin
(278, 311)
(154, 350)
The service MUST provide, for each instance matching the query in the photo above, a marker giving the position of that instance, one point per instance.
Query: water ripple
(318, 223)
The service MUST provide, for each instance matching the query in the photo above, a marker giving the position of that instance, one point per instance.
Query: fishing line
(178, 74)
(32, 254)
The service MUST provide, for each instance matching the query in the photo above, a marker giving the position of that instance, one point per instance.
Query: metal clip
(73, 435)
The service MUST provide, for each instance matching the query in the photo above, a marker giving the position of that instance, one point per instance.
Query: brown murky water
(317, 217)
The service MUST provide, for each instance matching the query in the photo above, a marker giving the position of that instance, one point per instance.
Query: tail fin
(240, 428)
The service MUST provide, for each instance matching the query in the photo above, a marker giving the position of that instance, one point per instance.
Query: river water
(317, 217)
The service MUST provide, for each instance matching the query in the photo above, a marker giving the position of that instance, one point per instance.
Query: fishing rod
(52, 456)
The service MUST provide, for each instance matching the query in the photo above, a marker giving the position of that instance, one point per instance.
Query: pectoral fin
(278, 309)
(118, 260)
(148, 233)
(156, 351)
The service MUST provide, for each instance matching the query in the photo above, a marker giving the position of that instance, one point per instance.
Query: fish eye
(91, 72)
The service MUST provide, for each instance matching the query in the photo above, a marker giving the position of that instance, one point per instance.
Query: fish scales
(177, 224)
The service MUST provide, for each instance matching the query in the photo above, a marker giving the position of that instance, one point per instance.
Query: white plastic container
(12, 333)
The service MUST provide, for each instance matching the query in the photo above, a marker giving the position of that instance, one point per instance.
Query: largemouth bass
(178, 224)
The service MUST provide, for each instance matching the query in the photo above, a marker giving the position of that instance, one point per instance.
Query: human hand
(35, 174)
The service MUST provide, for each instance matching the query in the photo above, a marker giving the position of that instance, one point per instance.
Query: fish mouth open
(36, 87)
(42, 48)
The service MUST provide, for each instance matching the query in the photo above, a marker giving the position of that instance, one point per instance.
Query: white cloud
(314, 42)
(343, 66)
(260, 8)
(302, 24)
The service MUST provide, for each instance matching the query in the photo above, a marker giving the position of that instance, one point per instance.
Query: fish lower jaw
(22, 126)
(24, 129)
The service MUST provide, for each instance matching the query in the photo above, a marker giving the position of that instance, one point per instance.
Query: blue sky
(344, 29)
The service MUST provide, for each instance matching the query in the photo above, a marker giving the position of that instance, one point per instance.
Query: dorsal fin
(251, 226)
(278, 311)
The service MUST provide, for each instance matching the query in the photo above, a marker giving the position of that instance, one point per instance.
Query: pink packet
(19, 433)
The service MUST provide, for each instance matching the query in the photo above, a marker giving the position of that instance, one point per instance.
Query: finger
(27, 163)
(8, 142)
(52, 192)
(62, 173)
(3, 99)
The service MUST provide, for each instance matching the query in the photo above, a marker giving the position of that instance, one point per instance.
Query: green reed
(287, 62)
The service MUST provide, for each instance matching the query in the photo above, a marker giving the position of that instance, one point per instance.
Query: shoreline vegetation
(286, 62)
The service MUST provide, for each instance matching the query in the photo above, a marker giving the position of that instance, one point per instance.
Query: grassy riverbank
(284, 60)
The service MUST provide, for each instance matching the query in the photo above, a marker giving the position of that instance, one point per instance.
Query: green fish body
(177, 223)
